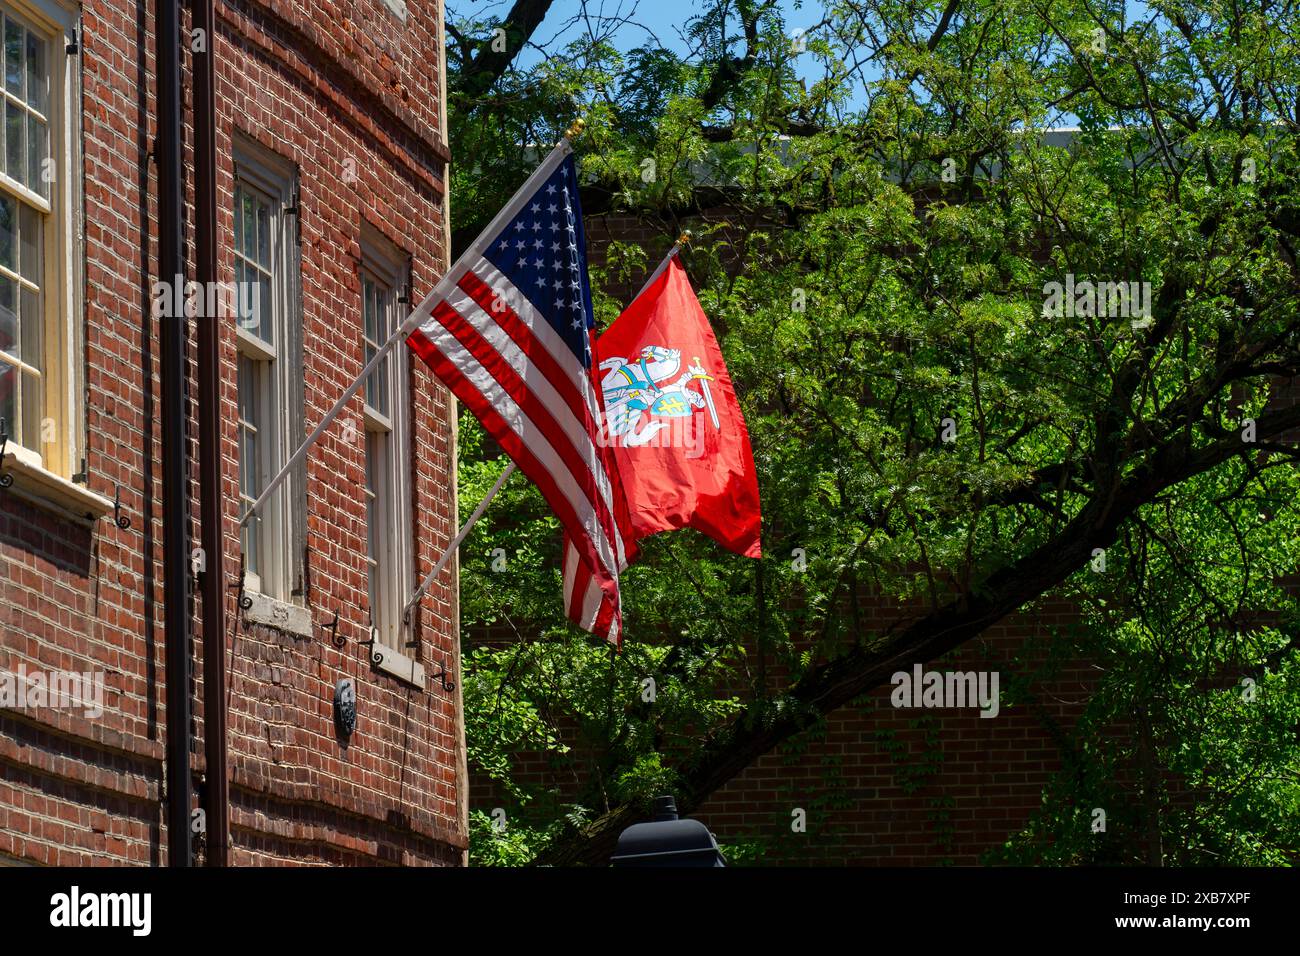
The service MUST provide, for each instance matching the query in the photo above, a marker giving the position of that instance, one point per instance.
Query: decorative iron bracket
(441, 677)
(375, 656)
(245, 602)
(337, 639)
(119, 519)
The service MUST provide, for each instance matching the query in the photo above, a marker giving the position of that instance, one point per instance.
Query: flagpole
(421, 313)
(455, 543)
(682, 241)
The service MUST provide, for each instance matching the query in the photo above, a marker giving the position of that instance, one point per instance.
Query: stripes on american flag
(584, 601)
(512, 341)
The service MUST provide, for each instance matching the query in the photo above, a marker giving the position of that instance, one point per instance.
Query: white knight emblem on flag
(641, 400)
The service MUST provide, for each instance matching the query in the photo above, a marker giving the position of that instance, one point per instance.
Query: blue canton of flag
(542, 251)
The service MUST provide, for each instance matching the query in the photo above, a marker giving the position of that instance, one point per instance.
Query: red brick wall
(881, 785)
(350, 96)
(887, 786)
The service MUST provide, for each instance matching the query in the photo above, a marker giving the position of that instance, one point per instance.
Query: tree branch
(830, 686)
(488, 65)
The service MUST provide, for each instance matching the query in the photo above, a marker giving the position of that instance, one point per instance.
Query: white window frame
(388, 267)
(62, 373)
(274, 180)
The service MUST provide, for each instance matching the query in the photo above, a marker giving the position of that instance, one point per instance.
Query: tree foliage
(880, 283)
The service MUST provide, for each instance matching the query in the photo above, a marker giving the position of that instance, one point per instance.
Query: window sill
(47, 490)
(288, 618)
(375, 422)
(250, 345)
(396, 664)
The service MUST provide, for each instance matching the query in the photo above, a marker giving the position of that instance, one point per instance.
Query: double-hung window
(389, 562)
(268, 335)
(39, 331)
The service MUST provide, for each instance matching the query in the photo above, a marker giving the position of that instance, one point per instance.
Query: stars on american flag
(539, 250)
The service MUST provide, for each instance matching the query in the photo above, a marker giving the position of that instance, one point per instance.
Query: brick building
(331, 218)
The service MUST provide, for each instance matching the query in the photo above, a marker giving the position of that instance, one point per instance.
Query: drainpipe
(216, 792)
(462, 766)
(176, 549)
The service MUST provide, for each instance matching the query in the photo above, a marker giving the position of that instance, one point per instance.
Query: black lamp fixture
(667, 840)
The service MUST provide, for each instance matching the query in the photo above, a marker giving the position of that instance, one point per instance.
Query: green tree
(926, 425)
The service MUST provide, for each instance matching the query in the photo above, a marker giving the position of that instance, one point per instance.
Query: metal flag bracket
(441, 677)
(376, 656)
(245, 602)
(336, 639)
(455, 543)
(119, 519)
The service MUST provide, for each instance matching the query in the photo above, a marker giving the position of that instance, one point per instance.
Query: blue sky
(664, 20)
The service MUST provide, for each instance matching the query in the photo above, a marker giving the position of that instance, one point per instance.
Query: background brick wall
(880, 785)
(349, 94)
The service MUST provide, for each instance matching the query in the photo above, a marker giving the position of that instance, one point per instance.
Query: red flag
(679, 438)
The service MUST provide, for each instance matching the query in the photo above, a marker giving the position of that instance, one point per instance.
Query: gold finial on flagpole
(684, 238)
(575, 130)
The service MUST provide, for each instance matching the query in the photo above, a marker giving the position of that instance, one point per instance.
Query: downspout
(176, 550)
(216, 788)
(462, 757)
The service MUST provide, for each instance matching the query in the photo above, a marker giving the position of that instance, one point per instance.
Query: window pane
(38, 93)
(248, 421)
(249, 484)
(30, 400)
(29, 235)
(375, 309)
(376, 500)
(242, 302)
(9, 339)
(372, 550)
(372, 388)
(380, 378)
(265, 312)
(9, 397)
(368, 306)
(239, 219)
(248, 463)
(14, 57)
(31, 325)
(37, 150)
(249, 239)
(246, 292)
(251, 544)
(377, 384)
(8, 226)
(386, 297)
(15, 148)
(263, 235)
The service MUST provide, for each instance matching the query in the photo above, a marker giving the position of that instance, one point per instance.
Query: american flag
(585, 603)
(513, 340)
